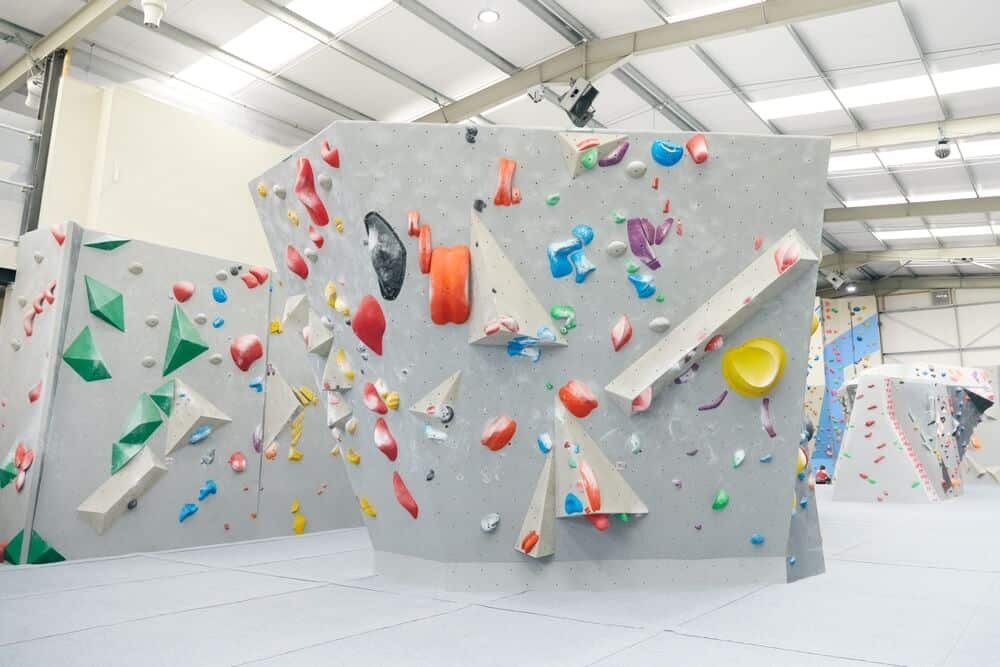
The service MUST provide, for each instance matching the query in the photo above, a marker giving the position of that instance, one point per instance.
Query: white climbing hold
(327, 322)
(221, 275)
(490, 522)
(152, 320)
(148, 362)
(200, 318)
(617, 248)
(278, 191)
(215, 359)
(324, 181)
(311, 254)
(659, 324)
(15, 343)
(39, 257)
(135, 268)
(636, 168)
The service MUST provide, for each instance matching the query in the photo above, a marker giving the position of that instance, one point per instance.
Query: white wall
(126, 164)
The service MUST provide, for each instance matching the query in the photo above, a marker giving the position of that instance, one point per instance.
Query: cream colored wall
(126, 164)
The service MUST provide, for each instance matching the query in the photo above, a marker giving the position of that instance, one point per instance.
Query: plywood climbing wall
(632, 310)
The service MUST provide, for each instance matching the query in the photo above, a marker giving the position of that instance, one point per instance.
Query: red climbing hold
(413, 223)
(305, 190)
(35, 392)
(424, 245)
(643, 400)
(296, 263)
(368, 323)
(260, 273)
(250, 280)
(498, 432)
(697, 148)
(372, 399)
(449, 284)
(245, 350)
(58, 234)
(384, 440)
(577, 398)
(506, 193)
(404, 496)
(590, 485)
(786, 255)
(316, 238)
(183, 290)
(599, 521)
(621, 333)
(666, 206)
(529, 542)
(330, 155)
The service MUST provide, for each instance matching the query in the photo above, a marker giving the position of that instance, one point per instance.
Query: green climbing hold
(122, 453)
(83, 357)
(106, 303)
(915, 484)
(721, 499)
(107, 242)
(631, 267)
(872, 481)
(567, 313)
(184, 342)
(588, 159)
(552, 199)
(619, 218)
(8, 471)
(549, 386)
(163, 396)
(624, 517)
(141, 422)
(660, 298)
(39, 551)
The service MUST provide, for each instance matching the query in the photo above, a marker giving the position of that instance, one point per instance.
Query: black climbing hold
(132, 504)
(470, 134)
(430, 474)
(479, 205)
(446, 414)
(234, 270)
(388, 255)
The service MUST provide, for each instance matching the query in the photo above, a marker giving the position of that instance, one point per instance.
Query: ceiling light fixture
(850, 288)
(488, 16)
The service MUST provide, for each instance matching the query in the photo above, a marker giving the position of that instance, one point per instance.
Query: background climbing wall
(728, 211)
(816, 377)
(88, 417)
(851, 340)
(908, 431)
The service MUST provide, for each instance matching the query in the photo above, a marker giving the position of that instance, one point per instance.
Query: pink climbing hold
(368, 323)
(58, 234)
(697, 148)
(50, 293)
(245, 350)
(250, 280)
(372, 399)
(413, 223)
(35, 392)
(305, 190)
(260, 273)
(295, 262)
(316, 238)
(404, 496)
(642, 402)
(758, 241)
(238, 461)
(29, 323)
(384, 440)
(621, 333)
(714, 343)
(330, 155)
(599, 521)
(183, 290)
(786, 255)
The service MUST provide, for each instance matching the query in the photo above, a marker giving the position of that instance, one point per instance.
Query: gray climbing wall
(722, 270)
(86, 418)
(908, 431)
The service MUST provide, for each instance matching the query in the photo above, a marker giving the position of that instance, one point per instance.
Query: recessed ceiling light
(900, 234)
(488, 16)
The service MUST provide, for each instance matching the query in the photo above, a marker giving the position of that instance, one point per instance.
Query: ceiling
(255, 64)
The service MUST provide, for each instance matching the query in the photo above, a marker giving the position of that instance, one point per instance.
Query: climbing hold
(187, 509)
(666, 153)
(507, 193)
(245, 350)
(621, 333)
(715, 343)
(641, 235)
(403, 495)
(738, 457)
(200, 318)
(215, 359)
(449, 285)
(801, 461)
(238, 461)
(58, 233)
(552, 199)
(544, 443)
(299, 524)
(324, 181)
(262, 189)
(498, 432)
(199, 434)
(330, 155)
(352, 457)
(83, 357)
(373, 401)
(15, 343)
(758, 241)
(106, 303)
(756, 539)
(489, 523)
(148, 362)
(39, 257)
(697, 148)
(765, 417)
(295, 263)
(217, 322)
(208, 458)
(388, 255)
(293, 217)
(278, 191)
(767, 458)
(713, 404)
(659, 324)
(617, 248)
(271, 451)
(631, 267)
(578, 398)
(588, 158)
(221, 275)
(558, 253)
(566, 313)
(219, 294)
(636, 168)
(106, 242)
(368, 323)
(642, 401)
(135, 268)
(366, 506)
(305, 190)
(643, 285)
(430, 475)
(479, 205)
(470, 134)
(582, 266)
(183, 342)
(572, 504)
(754, 367)
(786, 255)
(311, 254)
(384, 440)
(721, 499)
(424, 248)
(615, 156)
(208, 489)
(183, 290)
(132, 504)
(294, 454)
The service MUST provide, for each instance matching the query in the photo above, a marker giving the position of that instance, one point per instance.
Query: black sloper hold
(388, 255)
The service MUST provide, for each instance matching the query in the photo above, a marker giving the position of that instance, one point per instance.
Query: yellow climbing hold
(335, 451)
(299, 524)
(351, 425)
(801, 463)
(295, 506)
(815, 325)
(330, 292)
(293, 217)
(341, 307)
(305, 395)
(392, 400)
(345, 367)
(338, 222)
(753, 368)
(366, 506)
(294, 454)
(275, 327)
(352, 456)
(262, 189)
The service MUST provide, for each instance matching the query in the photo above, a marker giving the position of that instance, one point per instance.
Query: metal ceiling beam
(913, 209)
(922, 283)
(957, 128)
(846, 260)
(76, 26)
(198, 44)
(598, 55)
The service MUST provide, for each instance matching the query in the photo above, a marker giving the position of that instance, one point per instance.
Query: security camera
(577, 101)
(835, 279)
(943, 149)
(536, 93)
(152, 12)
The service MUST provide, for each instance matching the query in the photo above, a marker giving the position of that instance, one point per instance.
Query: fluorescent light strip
(876, 201)
(977, 230)
(853, 162)
(901, 234)
(715, 9)
(942, 196)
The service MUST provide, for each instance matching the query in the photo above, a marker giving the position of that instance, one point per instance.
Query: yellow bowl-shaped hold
(754, 367)
(392, 400)
(293, 217)
(295, 506)
(294, 454)
(299, 524)
(262, 189)
(275, 327)
(366, 506)
(330, 292)
(352, 456)
(815, 324)
(802, 461)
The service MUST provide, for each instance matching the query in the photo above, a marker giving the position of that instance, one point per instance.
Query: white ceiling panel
(443, 63)
(39, 15)
(302, 113)
(760, 57)
(726, 113)
(616, 101)
(152, 48)
(953, 24)
(681, 74)
(987, 178)
(958, 220)
(608, 19)
(909, 244)
(816, 124)
(885, 268)
(866, 186)
(963, 241)
(519, 35)
(973, 103)
(949, 181)
(858, 241)
(871, 36)
(522, 111)
(890, 224)
(898, 113)
(648, 120)
(216, 21)
(846, 227)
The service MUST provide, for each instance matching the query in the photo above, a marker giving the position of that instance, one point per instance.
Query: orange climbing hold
(529, 542)
(498, 432)
(578, 398)
(305, 190)
(656, 183)
(295, 262)
(404, 496)
(506, 193)
(330, 155)
(368, 323)
(666, 206)
(697, 148)
(413, 222)
(449, 289)
(424, 245)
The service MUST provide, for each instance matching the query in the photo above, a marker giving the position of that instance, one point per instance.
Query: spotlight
(488, 16)
(577, 101)
(152, 12)
(850, 288)
(943, 149)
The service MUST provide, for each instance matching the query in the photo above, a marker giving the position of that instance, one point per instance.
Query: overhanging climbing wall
(601, 338)
(143, 435)
(908, 431)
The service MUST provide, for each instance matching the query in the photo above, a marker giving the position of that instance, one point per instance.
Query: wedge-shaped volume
(320, 337)
(337, 374)
(582, 151)
(39, 551)
(296, 313)
(280, 406)
(105, 302)
(83, 357)
(184, 343)
(443, 394)
(500, 294)
(724, 312)
(537, 537)
(111, 498)
(190, 412)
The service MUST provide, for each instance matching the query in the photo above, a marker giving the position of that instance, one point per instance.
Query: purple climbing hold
(615, 156)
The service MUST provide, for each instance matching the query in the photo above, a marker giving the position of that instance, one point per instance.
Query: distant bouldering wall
(150, 421)
(601, 340)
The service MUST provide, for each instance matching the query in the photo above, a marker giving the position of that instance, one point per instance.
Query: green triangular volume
(83, 357)
(107, 242)
(163, 396)
(7, 469)
(106, 303)
(184, 342)
(39, 551)
(141, 422)
(122, 453)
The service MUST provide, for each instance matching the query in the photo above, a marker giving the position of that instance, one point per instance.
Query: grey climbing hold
(490, 522)
(311, 254)
(324, 181)
(39, 257)
(659, 324)
(235, 270)
(200, 318)
(148, 362)
(135, 268)
(278, 191)
(636, 168)
(617, 248)
(479, 205)
(208, 458)
(15, 343)
(22, 301)
(215, 359)
(152, 320)
(221, 275)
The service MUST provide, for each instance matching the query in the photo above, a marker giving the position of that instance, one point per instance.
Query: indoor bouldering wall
(562, 358)
(153, 435)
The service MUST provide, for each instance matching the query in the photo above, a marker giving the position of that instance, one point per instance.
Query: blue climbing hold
(666, 153)
(581, 265)
(756, 538)
(219, 294)
(187, 509)
(545, 443)
(558, 253)
(767, 458)
(217, 322)
(791, 560)
(257, 384)
(200, 434)
(209, 489)
(804, 503)
(585, 233)
(572, 504)
(644, 286)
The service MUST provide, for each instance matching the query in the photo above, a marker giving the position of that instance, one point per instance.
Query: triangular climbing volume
(142, 421)
(443, 394)
(105, 302)
(320, 337)
(296, 313)
(740, 299)
(110, 500)
(280, 406)
(537, 537)
(583, 151)
(39, 551)
(500, 295)
(190, 412)
(586, 482)
(163, 396)
(83, 357)
(337, 374)
(106, 242)
(184, 342)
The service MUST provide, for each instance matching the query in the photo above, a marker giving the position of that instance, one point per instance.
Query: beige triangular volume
(280, 406)
(111, 498)
(191, 411)
(741, 298)
(575, 144)
(584, 471)
(296, 313)
(537, 537)
(338, 410)
(500, 295)
(443, 394)
(337, 374)
(320, 338)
